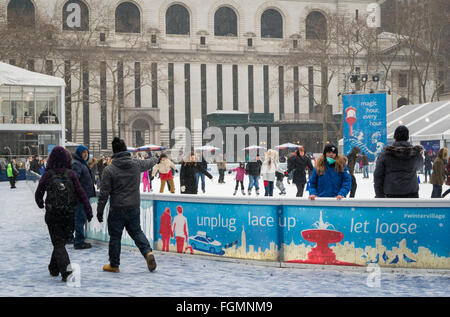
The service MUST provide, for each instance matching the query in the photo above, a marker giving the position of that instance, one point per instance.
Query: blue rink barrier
(403, 233)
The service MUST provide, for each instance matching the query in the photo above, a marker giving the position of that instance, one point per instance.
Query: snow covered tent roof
(16, 76)
(427, 121)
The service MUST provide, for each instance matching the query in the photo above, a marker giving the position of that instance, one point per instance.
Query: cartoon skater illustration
(180, 229)
(371, 148)
(165, 229)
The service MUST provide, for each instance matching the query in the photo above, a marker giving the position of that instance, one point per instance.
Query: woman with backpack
(63, 191)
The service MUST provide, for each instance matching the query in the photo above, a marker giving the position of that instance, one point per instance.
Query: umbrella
(131, 149)
(151, 147)
(207, 148)
(254, 147)
(288, 145)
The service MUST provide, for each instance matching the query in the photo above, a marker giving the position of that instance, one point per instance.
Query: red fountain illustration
(350, 117)
(322, 236)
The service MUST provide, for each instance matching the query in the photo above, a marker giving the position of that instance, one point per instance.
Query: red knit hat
(180, 209)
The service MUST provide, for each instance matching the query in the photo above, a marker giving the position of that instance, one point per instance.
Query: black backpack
(61, 195)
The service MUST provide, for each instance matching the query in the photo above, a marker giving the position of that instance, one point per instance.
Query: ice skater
(240, 172)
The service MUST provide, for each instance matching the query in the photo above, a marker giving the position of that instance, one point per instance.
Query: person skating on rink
(240, 173)
(120, 183)
(268, 169)
(165, 167)
(330, 177)
(188, 170)
(298, 164)
(395, 174)
(63, 190)
(253, 170)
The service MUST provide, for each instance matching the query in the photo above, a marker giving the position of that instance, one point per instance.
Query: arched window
(316, 26)
(128, 18)
(402, 102)
(21, 13)
(271, 24)
(177, 20)
(225, 22)
(75, 16)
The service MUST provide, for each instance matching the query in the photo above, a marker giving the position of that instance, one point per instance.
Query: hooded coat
(298, 164)
(396, 169)
(83, 172)
(187, 176)
(330, 180)
(121, 181)
(59, 161)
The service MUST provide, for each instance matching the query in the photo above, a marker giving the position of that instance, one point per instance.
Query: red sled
(191, 251)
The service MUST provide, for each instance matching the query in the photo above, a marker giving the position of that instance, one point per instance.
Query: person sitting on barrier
(330, 178)
(395, 174)
(121, 182)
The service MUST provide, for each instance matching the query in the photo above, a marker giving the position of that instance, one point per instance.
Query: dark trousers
(437, 191)
(221, 175)
(12, 182)
(411, 195)
(268, 188)
(118, 219)
(300, 189)
(237, 185)
(80, 221)
(427, 173)
(354, 186)
(59, 228)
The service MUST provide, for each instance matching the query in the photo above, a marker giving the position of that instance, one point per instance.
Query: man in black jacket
(298, 163)
(253, 169)
(395, 173)
(120, 182)
(34, 165)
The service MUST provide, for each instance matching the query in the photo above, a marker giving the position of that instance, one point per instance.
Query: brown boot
(109, 268)
(151, 263)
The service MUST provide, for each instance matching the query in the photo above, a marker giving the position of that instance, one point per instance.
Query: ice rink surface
(25, 250)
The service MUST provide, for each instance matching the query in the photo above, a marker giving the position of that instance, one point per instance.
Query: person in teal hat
(330, 177)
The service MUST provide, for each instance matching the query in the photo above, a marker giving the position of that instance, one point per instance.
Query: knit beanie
(401, 133)
(330, 148)
(118, 145)
(180, 209)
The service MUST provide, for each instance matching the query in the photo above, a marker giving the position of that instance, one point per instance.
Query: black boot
(84, 245)
(65, 275)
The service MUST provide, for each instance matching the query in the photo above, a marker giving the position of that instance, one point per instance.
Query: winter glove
(99, 216)
(183, 188)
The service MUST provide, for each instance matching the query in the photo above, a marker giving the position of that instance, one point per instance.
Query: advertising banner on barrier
(365, 123)
(404, 237)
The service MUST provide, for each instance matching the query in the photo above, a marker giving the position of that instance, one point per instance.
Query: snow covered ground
(25, 250)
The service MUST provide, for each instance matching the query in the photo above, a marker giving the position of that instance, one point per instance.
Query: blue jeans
(202, 176)
(79, 222)
(269, 189)
(366, 171)
(130, 219)
(253, 181)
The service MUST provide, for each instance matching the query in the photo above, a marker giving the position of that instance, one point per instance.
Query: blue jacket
(331, 183)
(83, 172)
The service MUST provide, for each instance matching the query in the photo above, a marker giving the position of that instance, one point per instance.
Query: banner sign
(432, 147)
(365, 123)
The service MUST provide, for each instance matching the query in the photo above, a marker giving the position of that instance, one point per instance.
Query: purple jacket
(59, 161)
(240, 172)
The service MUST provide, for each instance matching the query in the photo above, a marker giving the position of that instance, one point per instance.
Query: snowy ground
(25, 250)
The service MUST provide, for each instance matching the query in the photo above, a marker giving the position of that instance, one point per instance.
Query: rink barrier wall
(394, 233)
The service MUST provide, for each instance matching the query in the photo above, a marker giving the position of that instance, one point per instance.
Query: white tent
(16, 76)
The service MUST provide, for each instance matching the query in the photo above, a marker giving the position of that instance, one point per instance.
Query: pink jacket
(240, 172)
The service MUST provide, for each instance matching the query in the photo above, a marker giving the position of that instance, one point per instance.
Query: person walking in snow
(395, 174)
(330, 177)
(240, 173)
(120, 183)
(439, 174)
(81, 168)
(180, 230)
(64, 191)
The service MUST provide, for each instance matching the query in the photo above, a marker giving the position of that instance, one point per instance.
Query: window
(316, 26)
(21, 13)
(128, 18)
(271, 24)
(225, 22)
(202, 40)
(177, 20)
(402, 80)
(75, 16)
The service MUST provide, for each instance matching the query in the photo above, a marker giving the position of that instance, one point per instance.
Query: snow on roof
(424, 121)
(228, 112)
(16, 76)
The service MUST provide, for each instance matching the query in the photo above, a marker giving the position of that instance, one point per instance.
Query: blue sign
(432, 147)
(365, 123)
